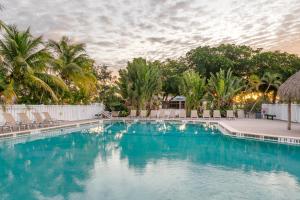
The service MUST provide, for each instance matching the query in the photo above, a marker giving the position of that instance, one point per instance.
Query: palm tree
(24, 62)
(222, 88)
(139, 83)
(193, 88)
(73, 65)
(270, 80)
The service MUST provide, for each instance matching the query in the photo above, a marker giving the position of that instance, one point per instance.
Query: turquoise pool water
(146, 161)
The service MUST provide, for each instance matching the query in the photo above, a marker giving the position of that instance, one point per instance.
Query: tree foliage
(193, 88)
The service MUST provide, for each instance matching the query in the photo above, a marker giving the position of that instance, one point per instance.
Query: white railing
(281, 111)
(60, 112)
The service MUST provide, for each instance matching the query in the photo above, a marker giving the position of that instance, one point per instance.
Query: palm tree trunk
(289, 114)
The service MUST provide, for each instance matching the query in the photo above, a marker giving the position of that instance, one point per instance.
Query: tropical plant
(74, 66)
(139, 83)
(222, 87)
(24, 66)
(193, 88)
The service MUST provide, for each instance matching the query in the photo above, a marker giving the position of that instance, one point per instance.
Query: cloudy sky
(118, 30)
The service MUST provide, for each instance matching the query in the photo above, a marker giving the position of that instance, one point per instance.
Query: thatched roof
(290, 89)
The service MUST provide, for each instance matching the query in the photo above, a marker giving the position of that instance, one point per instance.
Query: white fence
(281, 111)
(60, 112)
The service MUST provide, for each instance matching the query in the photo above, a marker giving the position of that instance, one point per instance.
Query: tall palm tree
(193, 88)
(222, 88)
(139, 83)
(73, 65)
(24, 62)
(269, 80)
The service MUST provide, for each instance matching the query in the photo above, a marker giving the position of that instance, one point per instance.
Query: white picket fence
(60, 112)
(281, 111)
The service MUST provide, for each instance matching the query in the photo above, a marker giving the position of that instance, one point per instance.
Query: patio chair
(172, 114)
(25, 121)
(230, 114)
(206, 114)
(153, 114)
(216, 114)
(132, 113)
(38, 119)
(51, 120)
(161, 114)
(241, 114)
(167, 114)
(10, 122)
(115, 113)
(143, 114)
(194, 114)
(182, 113)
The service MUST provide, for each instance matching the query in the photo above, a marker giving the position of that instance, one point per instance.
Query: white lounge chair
(182, 113)
(38, 119)
(143, 114)
(167, 114)
(50, 119)
(206, 114)
(25, 121)
(216, 114)
(132, 113)
(10, 122)
(230, 114)
(153, 114)
(161, 114)
(241, 114)
(172, 114)
(194, 114)
(115, 113)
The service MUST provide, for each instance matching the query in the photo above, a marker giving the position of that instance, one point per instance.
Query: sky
(116, 31)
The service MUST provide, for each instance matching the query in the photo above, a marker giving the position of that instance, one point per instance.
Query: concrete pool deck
(261, 129)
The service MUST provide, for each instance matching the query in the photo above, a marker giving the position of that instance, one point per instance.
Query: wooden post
(289, 114)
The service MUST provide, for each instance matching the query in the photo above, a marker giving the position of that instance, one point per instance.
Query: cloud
(118, 30)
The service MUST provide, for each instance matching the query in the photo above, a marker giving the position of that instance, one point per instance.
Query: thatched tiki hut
(290, 91)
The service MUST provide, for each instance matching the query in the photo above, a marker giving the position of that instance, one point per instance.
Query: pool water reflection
(149, 161)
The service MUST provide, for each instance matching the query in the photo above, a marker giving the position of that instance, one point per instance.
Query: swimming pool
(148, 160)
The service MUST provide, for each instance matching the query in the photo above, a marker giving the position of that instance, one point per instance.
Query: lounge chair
(206, 114)
(216, 114)
(172, 114)
(161, 114)
(167, 114)
(38, 119)
(241, 114)
(182, 113)
(153, 114)
(51, 120)
(143, 113)
(230, 114)
(132, 113)
(10, 122)
(115, 113)
(25, 121)
(194, 114)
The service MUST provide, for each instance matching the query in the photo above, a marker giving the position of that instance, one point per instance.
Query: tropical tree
(193, 88)
(271, 81)
(171, 71)
(74, 66)
(223, 87)
(24, 64)
(139, 83)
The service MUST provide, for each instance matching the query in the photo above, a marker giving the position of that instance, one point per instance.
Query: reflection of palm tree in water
(200, 147)
(56, 167)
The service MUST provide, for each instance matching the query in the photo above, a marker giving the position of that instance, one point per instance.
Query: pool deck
(261, 129)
